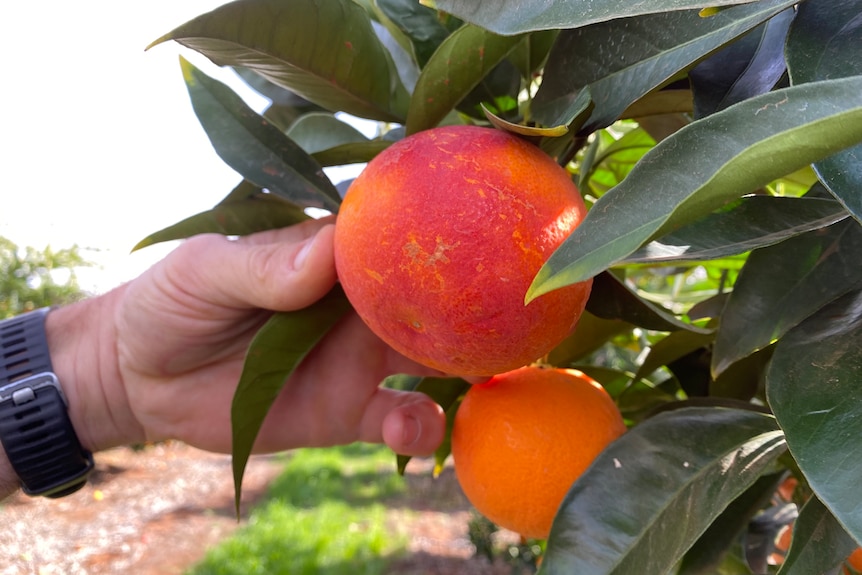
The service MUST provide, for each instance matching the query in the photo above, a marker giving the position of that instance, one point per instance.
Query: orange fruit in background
(785, 538)
(854, 561)
(439, 238)
(521, 439)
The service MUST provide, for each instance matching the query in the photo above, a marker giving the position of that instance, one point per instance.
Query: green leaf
(238, 218)
(783, 284)
(319, 131)
(661, 102)
(531, 54)
(753, 222)
(819, 543)
(256, 149)
(813, 388)
(672, 347)
(589, 335)
(614, 159)
(612, 299)
(707, 553)
(750, 66)
(522, 130)
(419, 23)
(651, 494)
(326, 52)
(622, 63)
(458, 66)
(516, 16)
(728, 154)
(275, 352)
(826, 42)
(357, 153)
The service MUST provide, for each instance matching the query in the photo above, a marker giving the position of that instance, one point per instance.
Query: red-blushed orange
(439, 238)
(520, 440)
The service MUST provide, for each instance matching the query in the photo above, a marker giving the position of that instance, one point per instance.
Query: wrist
(82, 341)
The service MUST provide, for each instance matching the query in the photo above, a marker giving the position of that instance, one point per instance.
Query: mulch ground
(157, 511)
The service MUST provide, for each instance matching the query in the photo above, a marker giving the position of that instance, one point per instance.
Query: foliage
(324, 513)
(718, 144)
(30, 278)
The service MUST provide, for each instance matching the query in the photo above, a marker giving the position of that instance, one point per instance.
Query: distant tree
(30, 278)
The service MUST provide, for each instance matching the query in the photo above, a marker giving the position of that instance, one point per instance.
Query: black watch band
(35, 428)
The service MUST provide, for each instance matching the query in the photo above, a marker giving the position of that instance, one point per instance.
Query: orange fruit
(439, 238)
(521, 439)
(782, 545)
(854, 561)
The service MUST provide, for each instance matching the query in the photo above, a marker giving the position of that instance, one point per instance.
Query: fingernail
(303, 252)
(411, 428)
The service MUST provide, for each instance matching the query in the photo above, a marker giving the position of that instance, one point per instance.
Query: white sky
(100, 143)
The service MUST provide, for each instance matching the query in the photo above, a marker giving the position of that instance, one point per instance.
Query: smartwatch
(35, 428)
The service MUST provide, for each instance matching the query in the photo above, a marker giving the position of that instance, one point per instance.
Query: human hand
(179, 334)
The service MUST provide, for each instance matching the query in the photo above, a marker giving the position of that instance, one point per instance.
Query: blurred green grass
(323, 515)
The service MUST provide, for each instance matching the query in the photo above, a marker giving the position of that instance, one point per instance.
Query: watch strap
(35, 429)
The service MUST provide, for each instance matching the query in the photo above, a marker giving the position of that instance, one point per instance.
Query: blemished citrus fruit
(521, 439)
(439, 238)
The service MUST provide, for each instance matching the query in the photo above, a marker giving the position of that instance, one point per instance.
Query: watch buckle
(24, 390)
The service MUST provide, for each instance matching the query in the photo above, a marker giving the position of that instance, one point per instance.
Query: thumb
(411, 423)
(281, 270)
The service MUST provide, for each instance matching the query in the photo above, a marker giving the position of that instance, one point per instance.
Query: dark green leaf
(637, 400)
(622, 62)
(326, 52)
(277, 95)
(530, 55)
(783, 284)
(612, 299)
(661, 102)
(671, 348)
(651, 494)
(826, 42)
(516, 16)
(419, 23)
(726, 155)
(455, 69)
(750, 66)
(357, 153)
(237, 218)
(275, 352)
(589, 335)
(256, 149)
(753, 222)
(813, 388)
(744, 379)
(402, 382)
(497, 91)
(819, 542)
(707, 553)
(319, 131)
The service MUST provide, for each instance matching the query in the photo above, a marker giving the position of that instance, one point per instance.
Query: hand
(178, 334)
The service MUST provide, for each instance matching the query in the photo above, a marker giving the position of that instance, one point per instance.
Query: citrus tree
(27, 277)
(718, 146)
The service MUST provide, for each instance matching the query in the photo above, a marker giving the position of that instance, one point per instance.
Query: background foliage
(718, 145)
(30, 278)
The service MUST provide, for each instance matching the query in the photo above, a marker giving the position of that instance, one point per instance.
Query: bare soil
(157, 511)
